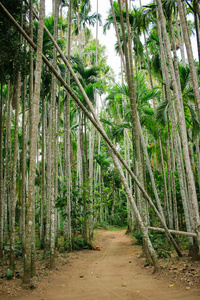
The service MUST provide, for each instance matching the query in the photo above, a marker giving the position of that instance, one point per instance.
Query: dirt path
(112, 273)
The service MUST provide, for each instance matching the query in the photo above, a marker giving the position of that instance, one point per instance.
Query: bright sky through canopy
(109, 39)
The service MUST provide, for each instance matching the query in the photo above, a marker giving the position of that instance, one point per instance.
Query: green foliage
(9, 274)
(79, 203)
(18, 250)
(11, 52)
(159, 242)
(139, 237)
(102, 225)
(79, 243)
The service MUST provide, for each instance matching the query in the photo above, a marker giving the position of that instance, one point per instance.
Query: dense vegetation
(77, 149)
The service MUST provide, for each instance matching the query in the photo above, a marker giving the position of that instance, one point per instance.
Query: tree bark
(14, 174)
(33, 147)
(7, 175)
(1, 173)
(68, 160)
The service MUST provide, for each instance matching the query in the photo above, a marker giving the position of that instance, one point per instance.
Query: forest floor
(117, 271)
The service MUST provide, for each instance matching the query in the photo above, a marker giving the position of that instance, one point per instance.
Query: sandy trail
(112, 273)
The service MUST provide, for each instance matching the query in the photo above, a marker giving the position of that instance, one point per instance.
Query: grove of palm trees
(81, 150)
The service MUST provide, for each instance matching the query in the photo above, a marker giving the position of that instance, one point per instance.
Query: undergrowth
(159, 242)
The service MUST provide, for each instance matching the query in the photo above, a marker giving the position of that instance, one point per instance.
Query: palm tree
(82, 18)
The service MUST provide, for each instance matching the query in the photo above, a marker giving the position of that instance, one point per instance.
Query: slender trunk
(23, 166)
(85, 180)
(43, 175)
(170, 209)
(14, 174)
(132, 98)
(180, 39)
(33, 147)
(164, 181)
(7, 175)
(91, 155)
(1, 173)
(68, 160)
(48, 203)
(53, 139)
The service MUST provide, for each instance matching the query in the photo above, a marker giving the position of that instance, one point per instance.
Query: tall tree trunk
(170, 216)
(43, 175)
(164, 181)
(91, 155)
(23, 166)
(132, 97)
(53, 138)
(48, 203)
(33, 147)
(180, 39)
(7, 175)
(14, 174)
(1, 173)
(68, 160)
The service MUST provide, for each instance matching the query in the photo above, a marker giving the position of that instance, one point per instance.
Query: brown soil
(114, 272)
